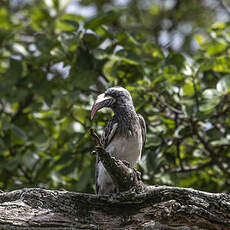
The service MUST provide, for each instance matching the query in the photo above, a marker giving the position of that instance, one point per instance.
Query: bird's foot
(93, 152)
(137, 173)
(100, 149)
(95, 136)
(126, 163)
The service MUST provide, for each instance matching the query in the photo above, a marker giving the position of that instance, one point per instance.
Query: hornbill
(123, 137)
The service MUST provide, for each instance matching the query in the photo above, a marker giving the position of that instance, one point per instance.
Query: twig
(195, 92)
(25, 174)
(224, 6)
(168, 106)
(22, 106)
(193, 168)
(179, 155)
(77, 120)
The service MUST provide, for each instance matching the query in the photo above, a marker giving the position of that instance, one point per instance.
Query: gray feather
(143, 128)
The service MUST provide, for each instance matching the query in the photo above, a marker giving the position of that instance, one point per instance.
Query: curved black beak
(101, 102)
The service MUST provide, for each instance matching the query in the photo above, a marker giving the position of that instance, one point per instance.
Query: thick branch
(157, 208)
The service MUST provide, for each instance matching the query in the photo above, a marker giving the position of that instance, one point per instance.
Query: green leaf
(43, 42)
(4, 18)
(177, 60)
(188, 89)
(181, 131)
(223, 85)
(214, 48)
(153, 140)
(100, 54)
(16, 69)
(222, 64)
(30, 159)
(66, 170)
(84, 180)
(71, 22)
(69, 40)
(221, 141)
(84, 79)
(13, 163)
(68, 22)
(18, 132)
(104, 18)
(81, 113)
(91, 40)
(210, 99)
(67, 25)
(2, 145)
(58, 52)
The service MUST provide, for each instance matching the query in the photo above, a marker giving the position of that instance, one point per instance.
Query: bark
(159, 207)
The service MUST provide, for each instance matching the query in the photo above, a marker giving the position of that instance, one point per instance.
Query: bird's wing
(109, 131)
(143, 128)
(107, 136)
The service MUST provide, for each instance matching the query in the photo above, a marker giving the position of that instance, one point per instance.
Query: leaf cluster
(53, 64)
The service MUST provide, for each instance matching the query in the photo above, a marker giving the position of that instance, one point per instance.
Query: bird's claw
(99, 148)
(95, 136)
(137, 173)
(126, 163)
(93, 152)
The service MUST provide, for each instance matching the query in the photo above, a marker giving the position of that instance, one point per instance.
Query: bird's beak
(101, 102)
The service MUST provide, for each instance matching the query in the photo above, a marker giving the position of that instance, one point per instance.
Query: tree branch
(192, 168)
(157, 208)
(224, 6)
(124, 177)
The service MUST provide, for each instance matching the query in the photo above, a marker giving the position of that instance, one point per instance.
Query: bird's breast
(126, 147)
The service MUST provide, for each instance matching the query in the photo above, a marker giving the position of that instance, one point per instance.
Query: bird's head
(115, 97)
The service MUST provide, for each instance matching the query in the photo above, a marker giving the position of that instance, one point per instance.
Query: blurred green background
(56, 56)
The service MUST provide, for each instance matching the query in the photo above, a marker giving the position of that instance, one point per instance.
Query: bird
(124, 134)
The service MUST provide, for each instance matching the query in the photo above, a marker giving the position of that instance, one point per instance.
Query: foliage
(54, 63)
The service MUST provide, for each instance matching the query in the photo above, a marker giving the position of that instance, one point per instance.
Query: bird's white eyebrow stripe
(102, 97)
(119, 88)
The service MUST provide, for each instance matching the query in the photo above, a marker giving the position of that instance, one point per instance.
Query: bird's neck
(126, 117)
